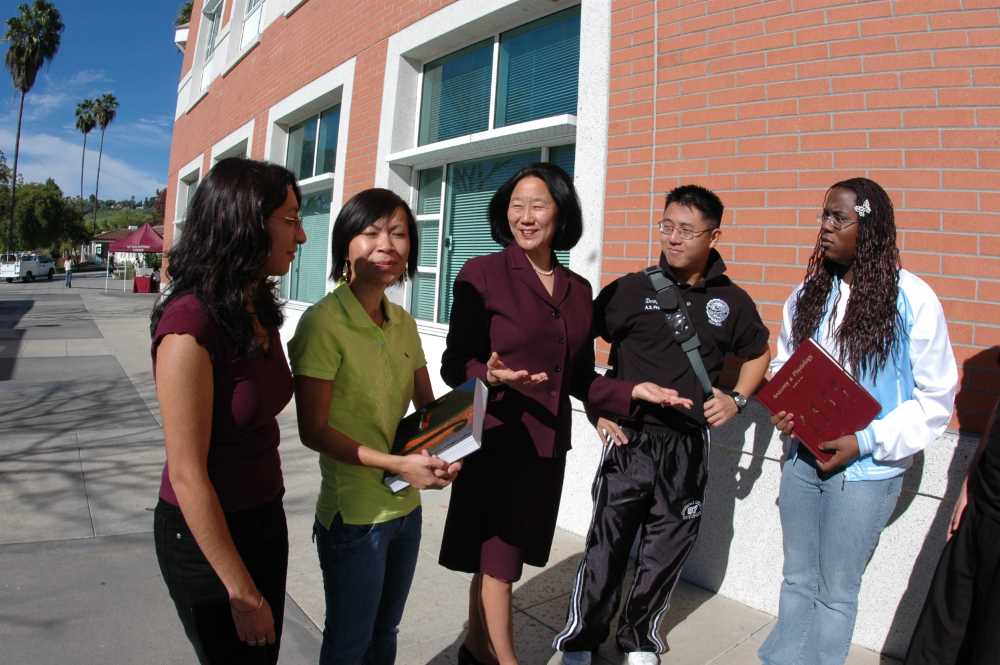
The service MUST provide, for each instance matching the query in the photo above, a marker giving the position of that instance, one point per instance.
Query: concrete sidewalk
(80, 459)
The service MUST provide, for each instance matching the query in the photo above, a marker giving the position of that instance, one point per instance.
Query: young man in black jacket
(651, 479)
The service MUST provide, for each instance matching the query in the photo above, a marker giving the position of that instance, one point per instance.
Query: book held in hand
(450, 427)
(825, 401)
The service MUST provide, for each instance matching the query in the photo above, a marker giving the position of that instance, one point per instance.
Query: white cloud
(41, 104)
(46, 156)
(50, 95)
(89, 77)
(145, 131)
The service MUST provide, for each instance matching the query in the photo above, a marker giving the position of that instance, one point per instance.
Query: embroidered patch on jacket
(691, 510)
(717, 311)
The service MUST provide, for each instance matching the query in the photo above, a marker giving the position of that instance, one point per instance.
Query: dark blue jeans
(367, 571)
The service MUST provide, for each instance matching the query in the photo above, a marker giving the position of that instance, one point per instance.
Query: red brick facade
(771, 102)
(766, 102)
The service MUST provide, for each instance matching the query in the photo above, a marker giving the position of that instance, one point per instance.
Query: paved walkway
(80, 459)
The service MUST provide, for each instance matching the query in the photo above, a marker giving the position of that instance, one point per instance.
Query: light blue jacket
(916, 387)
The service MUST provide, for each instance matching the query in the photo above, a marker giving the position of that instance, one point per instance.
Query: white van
(26, 267)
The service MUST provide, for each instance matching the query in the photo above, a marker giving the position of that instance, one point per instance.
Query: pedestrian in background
(68, 267)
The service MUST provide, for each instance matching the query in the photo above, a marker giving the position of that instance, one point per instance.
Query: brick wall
(769, 103)
(293, 51)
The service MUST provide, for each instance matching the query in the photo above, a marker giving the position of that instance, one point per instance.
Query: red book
(825, 400)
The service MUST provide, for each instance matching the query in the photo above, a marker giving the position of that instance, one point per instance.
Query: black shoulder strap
(672, 305)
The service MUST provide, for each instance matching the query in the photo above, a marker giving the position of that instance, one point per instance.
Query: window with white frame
(306, 278)
(211, 22)
(459, 193)
(312, 144)
(311, 155)
(528, 73)
(187, 185)
(240, 149)
(252, 21)
(535, 76)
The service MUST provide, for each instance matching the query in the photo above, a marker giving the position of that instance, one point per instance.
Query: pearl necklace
(543, 273)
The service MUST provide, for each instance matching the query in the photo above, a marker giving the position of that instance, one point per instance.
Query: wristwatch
(741, 401)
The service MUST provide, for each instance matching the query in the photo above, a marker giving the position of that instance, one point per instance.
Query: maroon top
(248, 393)
(500, 305)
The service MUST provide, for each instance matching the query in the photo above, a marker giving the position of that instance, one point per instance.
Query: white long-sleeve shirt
(916, 388)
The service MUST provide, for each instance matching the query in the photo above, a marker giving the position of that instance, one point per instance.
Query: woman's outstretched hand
(497, 372)
(650, 392)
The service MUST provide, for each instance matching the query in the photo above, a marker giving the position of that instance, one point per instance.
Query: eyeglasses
(294, 221)
(685, 232)
(838, 223)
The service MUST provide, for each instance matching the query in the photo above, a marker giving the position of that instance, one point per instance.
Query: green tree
(32, 38)
(45, 218)
(4, 201)
(85, 122)
(159, 206)
(105, 109)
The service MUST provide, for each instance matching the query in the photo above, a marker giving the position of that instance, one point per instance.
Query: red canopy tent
(144, 240)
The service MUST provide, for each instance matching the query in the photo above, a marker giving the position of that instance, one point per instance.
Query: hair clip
(863, 209)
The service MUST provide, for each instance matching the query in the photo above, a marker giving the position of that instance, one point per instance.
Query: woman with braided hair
(887, 328)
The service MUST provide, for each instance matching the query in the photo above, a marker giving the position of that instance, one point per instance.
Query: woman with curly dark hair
(887, 328)
(221, 378)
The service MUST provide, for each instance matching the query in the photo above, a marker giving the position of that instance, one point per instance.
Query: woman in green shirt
(358, 364)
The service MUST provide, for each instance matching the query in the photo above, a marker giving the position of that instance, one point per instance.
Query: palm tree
(85, 122)
(184, 14)
(105, 109)
(33, 38)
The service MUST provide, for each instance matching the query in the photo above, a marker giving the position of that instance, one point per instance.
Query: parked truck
(26, 267)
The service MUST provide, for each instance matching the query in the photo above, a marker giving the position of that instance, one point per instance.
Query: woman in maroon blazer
(521, 322)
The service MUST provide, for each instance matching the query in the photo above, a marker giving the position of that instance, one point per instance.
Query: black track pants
(653, 488)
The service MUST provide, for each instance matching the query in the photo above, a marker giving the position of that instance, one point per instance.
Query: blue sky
(117, 46)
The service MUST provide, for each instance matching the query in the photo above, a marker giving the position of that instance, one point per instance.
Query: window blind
(307, 277)
(456, 94)
(539, 69)
(471, 185)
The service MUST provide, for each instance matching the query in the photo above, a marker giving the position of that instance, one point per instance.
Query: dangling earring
(347, 272)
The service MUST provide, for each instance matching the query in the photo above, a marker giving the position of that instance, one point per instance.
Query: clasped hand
(425, 471)
(844, 449)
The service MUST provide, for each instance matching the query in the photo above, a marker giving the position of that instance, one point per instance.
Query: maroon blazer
(501, 305)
